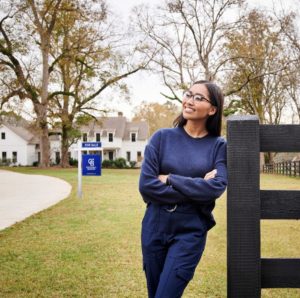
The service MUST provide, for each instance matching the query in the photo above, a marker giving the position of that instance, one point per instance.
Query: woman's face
(196, 103)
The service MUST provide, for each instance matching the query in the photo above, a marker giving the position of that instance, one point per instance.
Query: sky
(143, 86)
(147, 87)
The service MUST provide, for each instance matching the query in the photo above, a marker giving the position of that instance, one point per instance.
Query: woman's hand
(163, 178)
(210, 175)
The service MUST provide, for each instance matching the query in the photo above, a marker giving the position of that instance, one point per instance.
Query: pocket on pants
(184, 274)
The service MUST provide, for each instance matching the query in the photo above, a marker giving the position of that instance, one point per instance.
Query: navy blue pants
(173, 240)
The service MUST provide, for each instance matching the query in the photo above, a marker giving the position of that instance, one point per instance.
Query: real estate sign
(91, 165)
(88, 164)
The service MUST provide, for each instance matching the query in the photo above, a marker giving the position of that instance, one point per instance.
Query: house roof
(119, 126)
(23, 133)
(140, 127)
(21, 128)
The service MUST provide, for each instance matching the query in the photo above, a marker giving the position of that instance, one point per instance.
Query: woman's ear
(213, 110)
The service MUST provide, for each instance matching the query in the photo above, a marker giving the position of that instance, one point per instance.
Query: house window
(37, 146)
(2, 135)
(84, 137)
(4, 156)
(133, 137)
(14, 157)
(98, 137)
(139, 156)
(57, 157)
(128, 156)
(110, 137)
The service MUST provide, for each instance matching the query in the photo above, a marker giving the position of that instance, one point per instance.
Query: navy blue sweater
(186, 160)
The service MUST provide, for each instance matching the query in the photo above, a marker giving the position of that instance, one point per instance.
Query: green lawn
(91, 247)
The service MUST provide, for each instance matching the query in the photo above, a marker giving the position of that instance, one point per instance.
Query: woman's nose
(190, 100)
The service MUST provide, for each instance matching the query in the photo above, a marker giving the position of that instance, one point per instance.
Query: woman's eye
(198, 98)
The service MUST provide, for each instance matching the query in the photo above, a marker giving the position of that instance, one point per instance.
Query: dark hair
(214, 122)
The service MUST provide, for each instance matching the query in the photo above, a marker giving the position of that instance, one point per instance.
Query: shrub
(120, 163)
(35, 163)
(73, 162)
(132, 164)
(107, 163)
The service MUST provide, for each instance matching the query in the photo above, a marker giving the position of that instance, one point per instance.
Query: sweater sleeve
(150, 187)
(200, 190)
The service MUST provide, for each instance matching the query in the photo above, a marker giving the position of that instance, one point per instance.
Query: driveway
(22, 195)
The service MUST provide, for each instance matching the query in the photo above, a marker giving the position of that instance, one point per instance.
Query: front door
(110, 155)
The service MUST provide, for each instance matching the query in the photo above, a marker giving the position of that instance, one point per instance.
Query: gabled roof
(119, 126)
(141, 128)
(23, 133)
(21, 128)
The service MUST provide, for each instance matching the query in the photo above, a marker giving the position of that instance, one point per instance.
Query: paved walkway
(22, 195)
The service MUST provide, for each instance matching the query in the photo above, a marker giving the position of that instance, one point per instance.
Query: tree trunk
(45, 144)
(45, 148)
(64, 163)
(42, 126)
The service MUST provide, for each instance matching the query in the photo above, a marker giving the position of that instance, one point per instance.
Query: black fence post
(243, 209)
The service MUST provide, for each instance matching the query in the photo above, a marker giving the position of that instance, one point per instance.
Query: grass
(91, 247)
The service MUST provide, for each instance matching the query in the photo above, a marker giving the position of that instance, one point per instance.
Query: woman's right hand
(210, 175)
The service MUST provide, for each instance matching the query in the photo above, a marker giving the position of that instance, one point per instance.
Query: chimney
(120, 114)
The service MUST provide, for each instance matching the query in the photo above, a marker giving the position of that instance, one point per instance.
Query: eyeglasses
(196, 97)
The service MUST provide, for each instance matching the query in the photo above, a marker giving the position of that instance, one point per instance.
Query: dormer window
(133, 136)
(110, 137)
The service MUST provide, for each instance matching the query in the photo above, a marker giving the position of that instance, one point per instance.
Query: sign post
(88, 164)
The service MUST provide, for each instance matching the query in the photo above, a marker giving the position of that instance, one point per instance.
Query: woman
(183, 172)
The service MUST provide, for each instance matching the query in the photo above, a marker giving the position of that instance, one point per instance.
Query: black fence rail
(288, 168)
(247, 205)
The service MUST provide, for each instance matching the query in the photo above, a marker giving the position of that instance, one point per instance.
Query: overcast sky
(144, 86)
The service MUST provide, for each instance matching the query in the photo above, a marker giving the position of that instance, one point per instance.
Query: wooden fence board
(243, 211)
(280, 204)
(280, 273)
(279, 138)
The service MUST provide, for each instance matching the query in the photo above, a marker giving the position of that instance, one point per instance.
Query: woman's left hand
(163, 178)
(210, 175)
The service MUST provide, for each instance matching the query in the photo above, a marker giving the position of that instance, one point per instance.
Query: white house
(119, 138)
(17, 144)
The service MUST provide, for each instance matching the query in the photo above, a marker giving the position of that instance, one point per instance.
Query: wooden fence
(247, 272)
(289, 168)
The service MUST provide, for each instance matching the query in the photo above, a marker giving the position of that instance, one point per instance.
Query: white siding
(14, 143)
(55, 146)
(32, 155)
(133, 148)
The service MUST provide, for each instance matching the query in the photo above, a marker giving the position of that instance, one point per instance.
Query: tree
(157, 115)
(87, 44)
(187, 39)
(288, 23)
(258, 72)
(37, 20)
(259, 75)
(80, 58)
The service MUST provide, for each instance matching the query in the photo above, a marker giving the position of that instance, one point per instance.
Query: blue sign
(91, 165)
(91, 145)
